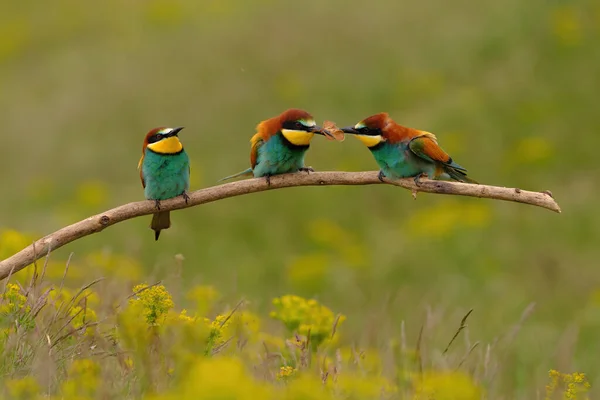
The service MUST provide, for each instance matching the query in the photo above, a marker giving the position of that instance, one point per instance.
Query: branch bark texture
(99, 222)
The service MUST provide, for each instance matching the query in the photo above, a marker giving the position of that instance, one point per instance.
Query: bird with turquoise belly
(280, 144)
(164, 171)
(403, 152)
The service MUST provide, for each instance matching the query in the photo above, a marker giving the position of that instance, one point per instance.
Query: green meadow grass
(509, 88)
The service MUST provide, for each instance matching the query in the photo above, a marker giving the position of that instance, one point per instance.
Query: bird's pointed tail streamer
(244, 172)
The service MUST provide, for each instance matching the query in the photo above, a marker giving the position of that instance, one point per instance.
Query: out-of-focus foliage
(101, 342)
(509, 88)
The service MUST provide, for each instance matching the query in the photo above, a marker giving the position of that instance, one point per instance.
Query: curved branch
(98, 222)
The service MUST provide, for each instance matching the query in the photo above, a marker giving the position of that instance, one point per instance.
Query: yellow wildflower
(571, 385)
(359, 386)
(12, 241)
(83, 379)
(301, 316)
(204, 296)
(217, 329)
(14, 309)
(13, 300)
(24, 388)
(217, 378)
(185, 318)
(286, 373)
(155, 301)
(446, 386)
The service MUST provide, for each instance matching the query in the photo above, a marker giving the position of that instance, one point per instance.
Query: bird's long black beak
(175, 131)
(320, 131)
(350, 130)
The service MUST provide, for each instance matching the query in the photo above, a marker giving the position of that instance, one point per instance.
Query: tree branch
(98, 222)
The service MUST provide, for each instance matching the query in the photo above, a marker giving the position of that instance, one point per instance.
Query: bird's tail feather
(244, 172)
(160, 220)
(459, 175)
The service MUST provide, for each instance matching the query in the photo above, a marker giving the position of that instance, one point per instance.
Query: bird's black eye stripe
(295, 125)
(154, 138)
(365, 130)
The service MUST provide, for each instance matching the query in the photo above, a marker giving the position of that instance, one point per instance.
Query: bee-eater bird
(280, 143)
(165, 172)
(403, 152)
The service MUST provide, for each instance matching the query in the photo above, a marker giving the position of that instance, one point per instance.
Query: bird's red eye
(154, 139)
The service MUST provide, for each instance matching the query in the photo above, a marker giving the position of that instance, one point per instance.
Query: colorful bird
(403, 152)
(280, 144)
(165, 172)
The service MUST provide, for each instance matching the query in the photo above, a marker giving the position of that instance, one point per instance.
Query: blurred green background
(510, 88)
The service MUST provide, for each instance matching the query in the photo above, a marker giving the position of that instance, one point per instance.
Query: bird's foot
(417, 179)
(157, 204)
(268, 178)
(308, 170)
(186, 197)
(414, 193)
(381, 175)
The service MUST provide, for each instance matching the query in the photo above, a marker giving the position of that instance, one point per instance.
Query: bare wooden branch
(103, 220)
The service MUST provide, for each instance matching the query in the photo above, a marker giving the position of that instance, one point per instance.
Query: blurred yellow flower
(217, 328)
(331, 235)
(214, 8)
(24, 388)
(595, 298)
(566, 25)
(14, 311)
(92, 194)
(15, 34)
(118, 266)
(532, 150)
(300, 316)
(443, 218)
(305, 387)
(12, 241)
(83, 379)
(245, 323)
(286, 373)
(218, 378)
(358, 386)
(308, 271)
(204, 296)
(164, 12)
(328, 233)
(443, 385)
(185, 318)
(155, 301)
(571, 386)
(13, 300)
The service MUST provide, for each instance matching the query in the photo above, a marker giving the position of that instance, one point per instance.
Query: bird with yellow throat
(165, 172)
(403, 152)
(280, 144)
